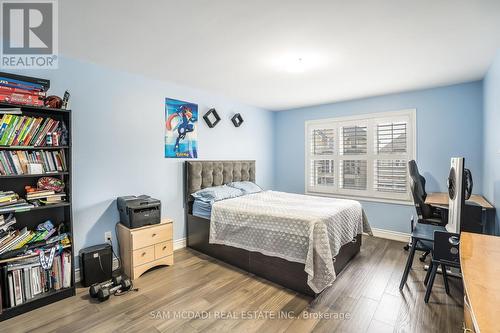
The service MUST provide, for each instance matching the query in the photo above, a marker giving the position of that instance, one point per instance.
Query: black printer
(138, 211)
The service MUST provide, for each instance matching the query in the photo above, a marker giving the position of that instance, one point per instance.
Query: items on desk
(459, 190)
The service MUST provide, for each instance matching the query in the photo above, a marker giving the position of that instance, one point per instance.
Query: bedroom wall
(118, 142)
(449, 123)
(491, 182)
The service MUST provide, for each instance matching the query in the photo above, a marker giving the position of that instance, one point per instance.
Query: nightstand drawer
(164, 249)
(152, 235)
(143, 255)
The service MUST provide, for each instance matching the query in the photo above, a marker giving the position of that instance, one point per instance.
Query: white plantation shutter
(391, 138)
(354, 174)
(322, 141)
(353, 140)
(323, 173)
(364, 156)
(321, 165)
(391, 164)
(391, 176)
(353, 171)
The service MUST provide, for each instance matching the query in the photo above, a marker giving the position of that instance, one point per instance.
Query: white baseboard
(393, 235)
(178, 244)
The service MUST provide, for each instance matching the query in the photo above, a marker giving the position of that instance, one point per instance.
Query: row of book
(18, 130)
(26, 279)
(11, 202)
(18, 162)
(23, 90)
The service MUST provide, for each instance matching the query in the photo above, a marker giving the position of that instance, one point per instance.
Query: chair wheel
(406, 247)
(422, 259)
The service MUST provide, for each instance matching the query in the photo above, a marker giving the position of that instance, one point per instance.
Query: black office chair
(445, 254)
(426, 214)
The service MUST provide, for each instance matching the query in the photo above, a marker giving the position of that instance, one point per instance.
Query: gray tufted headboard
(202, 174)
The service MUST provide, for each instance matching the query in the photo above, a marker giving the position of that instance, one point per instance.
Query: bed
(254, 232)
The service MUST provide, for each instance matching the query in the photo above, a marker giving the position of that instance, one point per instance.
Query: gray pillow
(216, 193)
(246, 186)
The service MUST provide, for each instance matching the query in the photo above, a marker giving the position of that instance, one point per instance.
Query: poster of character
(181, 122)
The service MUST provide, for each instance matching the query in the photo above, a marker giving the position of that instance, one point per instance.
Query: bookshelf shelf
(57, 213)
(32, 108)
(26, 210)
(6, 260)
(37, 302)
(37, 175)
(33, 147)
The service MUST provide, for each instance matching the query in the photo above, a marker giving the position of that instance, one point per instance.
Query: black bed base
(283, 272)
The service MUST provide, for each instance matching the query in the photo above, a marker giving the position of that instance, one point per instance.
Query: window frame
(370, 120)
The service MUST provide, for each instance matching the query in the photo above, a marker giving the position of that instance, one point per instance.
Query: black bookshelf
(30, 218)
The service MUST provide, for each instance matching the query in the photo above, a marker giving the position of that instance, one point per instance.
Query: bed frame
(202, 174)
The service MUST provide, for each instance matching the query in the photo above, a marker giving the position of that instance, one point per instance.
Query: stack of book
(25, 279)
(45, 197)
(6, 221)
(18, 130)
(16, 162)
(15, 240)
(10, 201)
(22, 90)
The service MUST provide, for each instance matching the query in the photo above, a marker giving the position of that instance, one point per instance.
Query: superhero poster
(181, 125)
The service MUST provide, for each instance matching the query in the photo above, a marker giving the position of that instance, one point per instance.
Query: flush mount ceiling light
(297, 62)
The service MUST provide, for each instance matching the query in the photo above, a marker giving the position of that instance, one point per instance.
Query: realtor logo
(29, 34)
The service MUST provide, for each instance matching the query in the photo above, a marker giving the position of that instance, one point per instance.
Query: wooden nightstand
(146, 247)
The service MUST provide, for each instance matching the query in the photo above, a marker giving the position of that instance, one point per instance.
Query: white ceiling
(350, 49)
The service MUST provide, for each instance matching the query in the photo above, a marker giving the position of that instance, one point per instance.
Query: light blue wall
(491, 182)
(118, 126)
(449, 123)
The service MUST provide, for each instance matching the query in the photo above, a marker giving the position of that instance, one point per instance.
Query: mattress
(202, 209)
(298, 228)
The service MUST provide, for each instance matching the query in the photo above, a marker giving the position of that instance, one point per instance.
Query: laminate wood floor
(201, 294)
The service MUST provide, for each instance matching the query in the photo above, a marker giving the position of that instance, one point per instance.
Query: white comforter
(298, 228)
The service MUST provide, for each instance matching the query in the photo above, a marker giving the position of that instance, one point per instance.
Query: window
(363, 156)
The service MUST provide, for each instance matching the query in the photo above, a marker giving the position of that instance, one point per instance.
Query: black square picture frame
(237, 120)
(207, 117)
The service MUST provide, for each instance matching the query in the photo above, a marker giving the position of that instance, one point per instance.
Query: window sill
(361, 198)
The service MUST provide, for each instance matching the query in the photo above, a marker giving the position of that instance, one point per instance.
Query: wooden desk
(480, 263)
(441, 199)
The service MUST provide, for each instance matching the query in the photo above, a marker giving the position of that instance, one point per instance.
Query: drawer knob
(154, 235)
(143, 254)
(164, 248)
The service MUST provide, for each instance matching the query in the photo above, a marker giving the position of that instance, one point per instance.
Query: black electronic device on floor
(96, 264)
